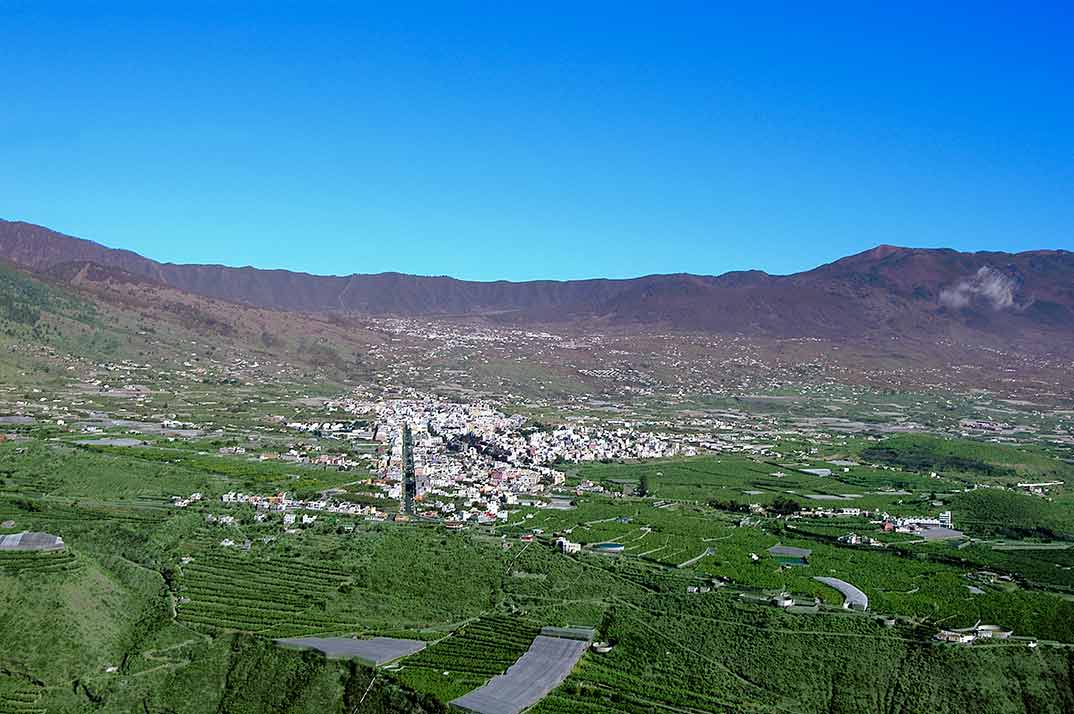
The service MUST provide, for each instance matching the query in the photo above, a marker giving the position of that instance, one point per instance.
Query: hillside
(64, 323)
(884, 292)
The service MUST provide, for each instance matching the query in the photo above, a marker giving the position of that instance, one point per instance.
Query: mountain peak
(885, 249)
(881, 252)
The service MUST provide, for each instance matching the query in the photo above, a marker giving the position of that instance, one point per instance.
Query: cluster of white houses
(281, 503)
(436, 423)
(471, 461)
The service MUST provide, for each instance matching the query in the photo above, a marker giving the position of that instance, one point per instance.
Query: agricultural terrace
(369, 581)
(17, 563)
(146, 605)
(19, 697)
(713, 653)
(927, 584)
(276, 597)
(469, 657)
(739, 480)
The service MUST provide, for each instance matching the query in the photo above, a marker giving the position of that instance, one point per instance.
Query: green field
(146, 611)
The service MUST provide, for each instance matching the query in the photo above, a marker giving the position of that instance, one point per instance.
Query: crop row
(288, 579)
(555, 704)
(221, 622)
(248, 612)
(53, 515)
(13, 563)
(245, 593)
(463, 649)
(287, 624)
(255, 612)
(18, 700)
(298, 598)
(277, 596)
(631, 687)
(506, 631)
(486, 647)
(297, 568)
(299, 626)
(266, 581)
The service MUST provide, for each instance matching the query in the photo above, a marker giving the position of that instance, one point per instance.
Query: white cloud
(989, 284)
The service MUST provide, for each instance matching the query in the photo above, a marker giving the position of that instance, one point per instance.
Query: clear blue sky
(538, 139)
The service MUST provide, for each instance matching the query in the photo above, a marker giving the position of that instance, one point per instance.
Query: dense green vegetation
(1015, 515)
(146, 610)
(23, 300)
(732, 482)
(967, 458)
(1046, 567)
(713, 654)
(279, 596)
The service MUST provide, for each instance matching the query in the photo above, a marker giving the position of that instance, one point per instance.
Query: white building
(565, 546)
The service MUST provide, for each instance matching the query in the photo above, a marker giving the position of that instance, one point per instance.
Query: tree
(785, 506)
(643, 485)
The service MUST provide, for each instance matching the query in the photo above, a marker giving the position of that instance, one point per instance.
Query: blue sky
(538, 140)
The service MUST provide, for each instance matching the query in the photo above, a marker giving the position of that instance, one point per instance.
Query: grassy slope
(973, 459)
(995, 512)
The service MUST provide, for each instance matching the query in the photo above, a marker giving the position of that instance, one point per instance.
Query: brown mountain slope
(40, 249)
(887, 291)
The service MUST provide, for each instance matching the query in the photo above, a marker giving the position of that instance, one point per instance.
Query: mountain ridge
(885, 290)
(9, 227)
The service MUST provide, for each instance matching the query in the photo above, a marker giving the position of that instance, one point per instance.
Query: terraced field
(277, 597)
(42, 515)
(33, 483)
(470, 657)
(22, 562)
(18, 698)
